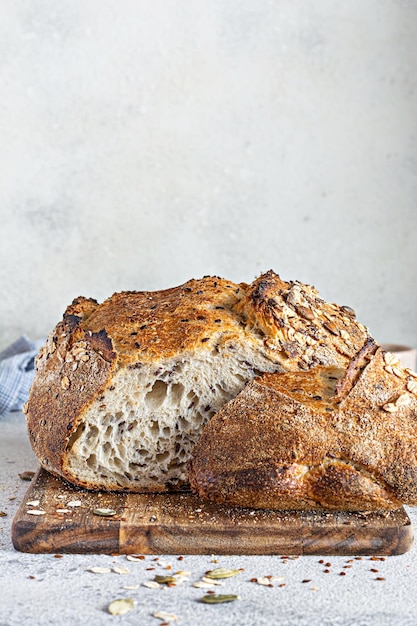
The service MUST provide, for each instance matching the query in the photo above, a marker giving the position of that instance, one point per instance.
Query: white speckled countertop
(46, 590)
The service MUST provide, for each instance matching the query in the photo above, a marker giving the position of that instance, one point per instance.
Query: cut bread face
(322, 439)
(142, 435)
(124, 389)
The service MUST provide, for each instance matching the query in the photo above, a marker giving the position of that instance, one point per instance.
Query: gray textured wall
(143, 143)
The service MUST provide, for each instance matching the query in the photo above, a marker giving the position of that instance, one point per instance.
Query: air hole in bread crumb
(156, 396)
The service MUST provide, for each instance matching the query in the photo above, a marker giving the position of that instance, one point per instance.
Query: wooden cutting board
(183, 524)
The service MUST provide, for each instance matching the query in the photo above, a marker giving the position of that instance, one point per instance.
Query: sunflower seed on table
(211, 581)
(222, 572)
(104, 512)
(164, 616)
(151, 584)
(121, 606)
(98, 570)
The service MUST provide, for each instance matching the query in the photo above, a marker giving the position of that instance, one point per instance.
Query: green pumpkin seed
(104, 512)
(219, 598)
(164, 580)
(222, 572)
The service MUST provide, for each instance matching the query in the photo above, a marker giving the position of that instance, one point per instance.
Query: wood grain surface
(184, 524)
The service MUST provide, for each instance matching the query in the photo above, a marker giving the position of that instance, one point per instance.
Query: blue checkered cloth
(17, 363)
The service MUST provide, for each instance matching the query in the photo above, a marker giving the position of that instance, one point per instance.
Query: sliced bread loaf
(123, 389)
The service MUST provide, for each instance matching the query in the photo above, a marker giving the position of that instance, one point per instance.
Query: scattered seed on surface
(151, 584)
(98, 570)
(135, 557)
(164, 616)
(33, 503)
(222, 572)
(104, 512)
(264, 581)
(212, 581)
(219, 598)
(26, 475)
(202, 584)
(121, 606)
(120, 570)
(164, 580)
(36, 512)
(74, 503)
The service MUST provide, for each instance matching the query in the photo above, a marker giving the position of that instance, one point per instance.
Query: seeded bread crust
(329, 438)
(123, 389)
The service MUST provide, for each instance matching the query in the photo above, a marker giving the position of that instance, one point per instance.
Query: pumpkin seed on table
(164, 580)
(219, 598)
(104, 512)
(222, 572)
(121, 606)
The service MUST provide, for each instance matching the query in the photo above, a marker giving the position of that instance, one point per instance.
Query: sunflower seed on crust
(412, 386)
(390, 407)
(391, 359)
(403, 399)
(399, 372)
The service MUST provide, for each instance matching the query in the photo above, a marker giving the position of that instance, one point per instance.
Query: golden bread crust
(290, 441)
(285, 322)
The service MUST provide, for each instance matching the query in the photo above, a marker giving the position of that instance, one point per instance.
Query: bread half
(329, 438)
(123, 389)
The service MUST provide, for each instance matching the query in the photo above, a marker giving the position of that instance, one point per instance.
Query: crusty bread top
(296, 326)
(292, 440)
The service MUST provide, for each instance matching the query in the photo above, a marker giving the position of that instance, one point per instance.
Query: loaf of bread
(332, 438)
(123, 389)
